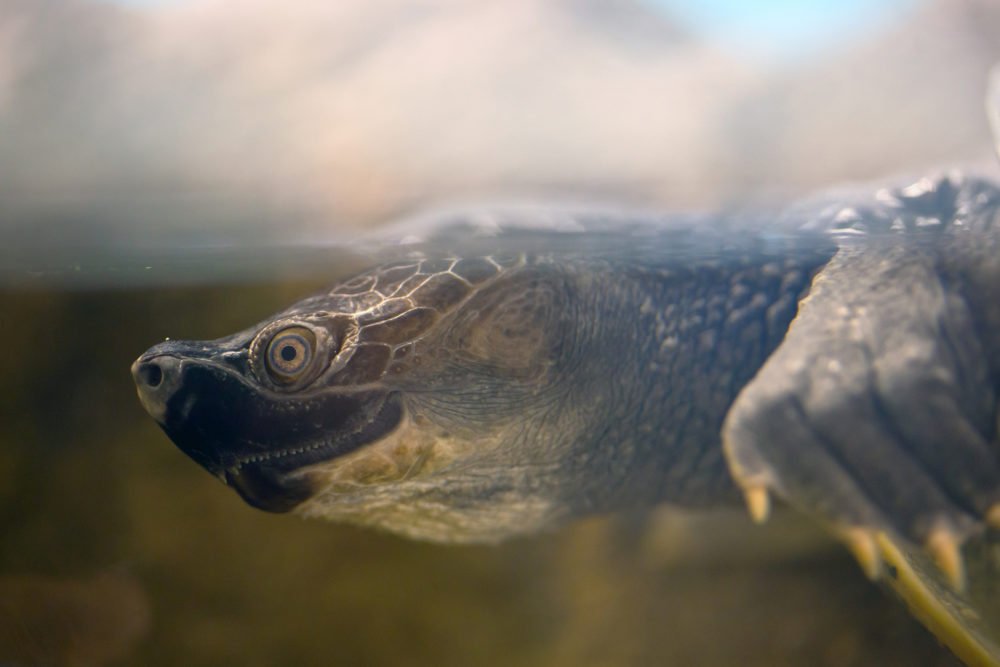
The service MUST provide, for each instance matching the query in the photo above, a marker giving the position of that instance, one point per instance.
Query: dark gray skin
(499, 386)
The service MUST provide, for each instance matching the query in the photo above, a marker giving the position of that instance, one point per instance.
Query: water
(119, 550)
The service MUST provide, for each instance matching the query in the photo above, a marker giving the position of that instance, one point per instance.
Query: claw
(861, 542)
(758, 503)
(947, 554)
(993, 517)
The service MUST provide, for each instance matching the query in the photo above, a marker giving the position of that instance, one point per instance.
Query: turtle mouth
(255, 440)
(386, 417)
(275, 481)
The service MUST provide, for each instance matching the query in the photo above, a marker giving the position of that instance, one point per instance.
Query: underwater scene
(118, 550)
(181, 170)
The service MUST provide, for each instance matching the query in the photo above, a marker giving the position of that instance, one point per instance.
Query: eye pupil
(290, 354)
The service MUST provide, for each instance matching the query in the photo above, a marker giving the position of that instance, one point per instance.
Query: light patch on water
(785, 28)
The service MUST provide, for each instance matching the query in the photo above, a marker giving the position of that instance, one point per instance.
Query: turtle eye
(290, 354)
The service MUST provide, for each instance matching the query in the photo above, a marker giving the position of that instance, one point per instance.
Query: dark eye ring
(290, 354)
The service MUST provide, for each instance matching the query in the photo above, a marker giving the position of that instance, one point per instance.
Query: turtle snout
(156, 379)
(148, 373)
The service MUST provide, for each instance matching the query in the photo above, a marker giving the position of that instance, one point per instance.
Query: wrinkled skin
(844, 354)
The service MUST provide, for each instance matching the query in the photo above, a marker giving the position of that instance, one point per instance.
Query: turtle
(504, 370)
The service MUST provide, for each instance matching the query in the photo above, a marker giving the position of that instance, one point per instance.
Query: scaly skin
(506, 392)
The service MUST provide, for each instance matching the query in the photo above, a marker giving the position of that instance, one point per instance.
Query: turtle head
(403, 398)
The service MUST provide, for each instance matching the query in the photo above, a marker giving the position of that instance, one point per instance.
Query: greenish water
(116, 549)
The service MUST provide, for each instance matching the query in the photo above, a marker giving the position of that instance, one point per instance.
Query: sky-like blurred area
(773, 28)
(785, 27)
(169, 120)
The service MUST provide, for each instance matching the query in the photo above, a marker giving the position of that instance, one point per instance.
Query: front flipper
(877, 415)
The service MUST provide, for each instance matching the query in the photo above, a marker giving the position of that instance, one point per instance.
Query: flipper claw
(947, 555)
(993, 517)
(758, 503)
(861, 542)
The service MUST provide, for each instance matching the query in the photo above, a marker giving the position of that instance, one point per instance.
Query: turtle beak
(158, 372)
(159, 375)
(162, 375)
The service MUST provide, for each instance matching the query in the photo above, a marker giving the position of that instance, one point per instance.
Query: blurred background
(202, 143)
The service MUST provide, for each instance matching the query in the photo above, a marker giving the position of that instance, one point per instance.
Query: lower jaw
(284, 483)
(268, 489)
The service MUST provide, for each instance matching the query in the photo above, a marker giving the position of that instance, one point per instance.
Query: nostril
(151, 374)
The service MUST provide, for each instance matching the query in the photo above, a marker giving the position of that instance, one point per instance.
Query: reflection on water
(89, 485)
